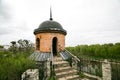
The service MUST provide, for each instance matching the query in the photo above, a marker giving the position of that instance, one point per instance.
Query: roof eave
(50, 31)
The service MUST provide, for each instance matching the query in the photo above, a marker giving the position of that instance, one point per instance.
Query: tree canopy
(109, 51)
(15, 61)
(21, 46)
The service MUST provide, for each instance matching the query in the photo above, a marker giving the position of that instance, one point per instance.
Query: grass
(52, 78)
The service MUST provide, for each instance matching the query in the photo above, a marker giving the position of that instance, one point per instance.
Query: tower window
(37, 44)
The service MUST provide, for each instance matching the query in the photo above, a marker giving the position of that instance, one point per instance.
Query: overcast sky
(86, 21)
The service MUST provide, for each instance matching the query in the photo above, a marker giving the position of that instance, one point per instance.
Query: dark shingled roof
(50, 26)
(65, 55)
(38, 56)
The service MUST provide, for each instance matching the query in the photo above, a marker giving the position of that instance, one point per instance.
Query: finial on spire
(51, 14)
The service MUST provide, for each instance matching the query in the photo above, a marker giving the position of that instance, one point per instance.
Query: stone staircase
(63, 71)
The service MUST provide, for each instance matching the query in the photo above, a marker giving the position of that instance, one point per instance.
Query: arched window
(54, 46)
(37, 44)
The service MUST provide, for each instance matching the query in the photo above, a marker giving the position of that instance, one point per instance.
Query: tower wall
(46, 41)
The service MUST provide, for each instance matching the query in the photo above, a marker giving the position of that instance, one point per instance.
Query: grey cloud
(4, 12)
(4, 31)
(96, 21)
(9, 29)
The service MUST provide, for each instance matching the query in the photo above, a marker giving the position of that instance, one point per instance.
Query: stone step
(68, 73)
(61, 64)
(74, 77)
(63, 69)
(56, 59)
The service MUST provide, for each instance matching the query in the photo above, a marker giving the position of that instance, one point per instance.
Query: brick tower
(50, 37)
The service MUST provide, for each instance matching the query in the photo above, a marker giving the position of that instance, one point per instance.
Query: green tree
(12, 67)
(25, 46)
(13, 47)
(109, 51)
(1, 46)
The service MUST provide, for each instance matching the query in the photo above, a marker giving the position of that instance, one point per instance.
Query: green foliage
(52, 78)
(1, 46)
(81, 75)
(108, 51)
(52, 72)
(13, 65)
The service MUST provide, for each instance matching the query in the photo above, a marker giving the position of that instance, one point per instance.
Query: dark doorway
(37, 44)
(54, 46)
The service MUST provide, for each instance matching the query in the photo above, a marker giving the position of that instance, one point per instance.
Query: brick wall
(46, 41)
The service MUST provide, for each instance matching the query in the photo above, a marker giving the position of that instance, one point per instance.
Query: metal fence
(115, 70)
(90, 66)
(94, 67)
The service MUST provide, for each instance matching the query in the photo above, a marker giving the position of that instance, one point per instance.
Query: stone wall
(31, 74)
(106, 70)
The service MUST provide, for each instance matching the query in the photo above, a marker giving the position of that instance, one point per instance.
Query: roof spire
(51, 14)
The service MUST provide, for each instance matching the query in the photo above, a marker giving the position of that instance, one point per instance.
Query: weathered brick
(46, 41)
